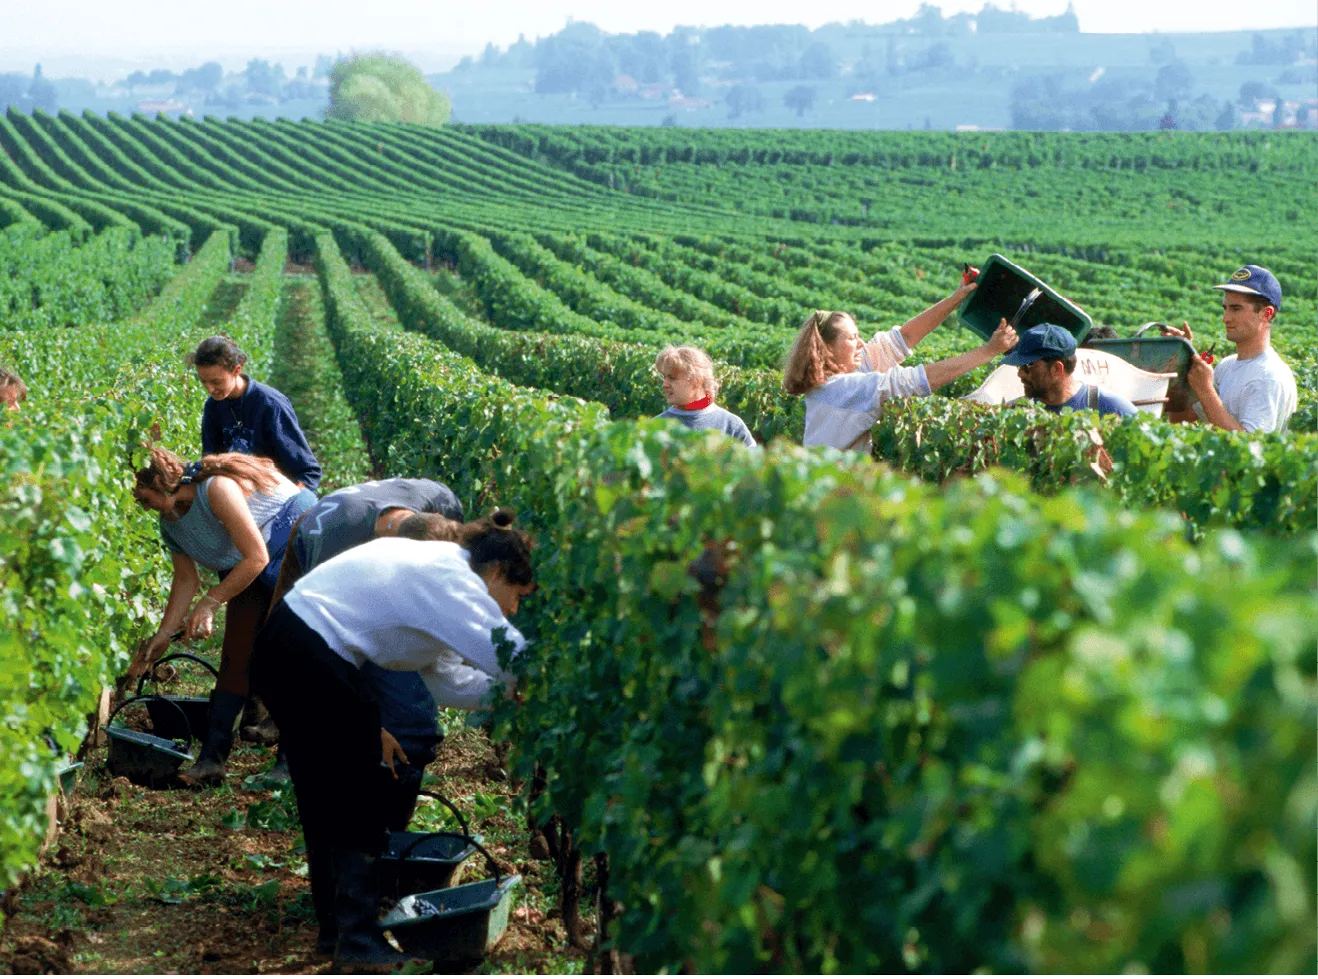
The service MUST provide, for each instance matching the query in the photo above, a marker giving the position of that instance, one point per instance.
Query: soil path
(213, 880)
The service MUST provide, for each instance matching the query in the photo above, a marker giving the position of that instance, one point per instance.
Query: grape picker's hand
(201, 623)
(963, 290)
(148, 653)
(1003, 339)
(392, 751)
(1183, 331)
(1200, 376)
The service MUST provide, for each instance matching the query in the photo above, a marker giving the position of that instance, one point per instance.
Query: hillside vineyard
(973, 707)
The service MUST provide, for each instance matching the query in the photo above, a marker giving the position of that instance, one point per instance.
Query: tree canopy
(384, 88)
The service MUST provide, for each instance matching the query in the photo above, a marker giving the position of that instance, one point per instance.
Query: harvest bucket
(1007, 291)
(165, 720)
(1157, 355)
(416, 862)
(454, 923)
(144, 759)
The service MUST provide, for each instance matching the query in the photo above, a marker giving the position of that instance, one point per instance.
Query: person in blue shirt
(1045, 358)
(242, 415)
(690, 388)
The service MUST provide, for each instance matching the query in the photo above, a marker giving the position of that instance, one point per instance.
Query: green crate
(1004, 288)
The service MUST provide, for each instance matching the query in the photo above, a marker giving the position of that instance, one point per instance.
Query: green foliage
(80, 565)
(619, 375)
(1263, 481)
(308, 374)
(381, 88)
(911, 725)
(889, 725)
(51, 280)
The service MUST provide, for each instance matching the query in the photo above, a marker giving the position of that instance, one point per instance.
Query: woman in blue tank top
(230, 513)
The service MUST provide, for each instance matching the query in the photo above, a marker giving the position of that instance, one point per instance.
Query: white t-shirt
(1259, 392)
(409, 605)
(842, 410)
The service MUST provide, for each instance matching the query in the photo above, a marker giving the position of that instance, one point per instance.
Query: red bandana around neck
(704, 402)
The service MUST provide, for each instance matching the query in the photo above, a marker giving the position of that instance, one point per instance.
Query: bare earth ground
(212, 881)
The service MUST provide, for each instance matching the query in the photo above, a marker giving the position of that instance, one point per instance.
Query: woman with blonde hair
(690, 388)
(231, 513)
(846, 381)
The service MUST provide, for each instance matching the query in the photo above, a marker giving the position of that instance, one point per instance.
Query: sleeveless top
(201, 536)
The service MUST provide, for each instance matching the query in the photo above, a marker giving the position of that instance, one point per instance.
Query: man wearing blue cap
(1252, 390)
(1046, 360)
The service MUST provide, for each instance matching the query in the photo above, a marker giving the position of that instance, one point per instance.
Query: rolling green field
(821, 714)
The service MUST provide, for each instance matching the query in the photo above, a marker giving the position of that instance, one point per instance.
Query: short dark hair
(218, 351)
(1068, 363)
(1100, 331)
(1258, 302)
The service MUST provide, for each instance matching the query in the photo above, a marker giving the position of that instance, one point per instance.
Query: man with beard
(1046, 358)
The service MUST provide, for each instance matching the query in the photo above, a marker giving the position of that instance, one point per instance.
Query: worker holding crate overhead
(1252, 390)
(846, 381)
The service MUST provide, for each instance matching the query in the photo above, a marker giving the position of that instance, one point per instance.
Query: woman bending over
(429, 606)
(231, 513)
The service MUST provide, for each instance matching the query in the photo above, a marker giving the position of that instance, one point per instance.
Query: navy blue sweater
(260, 423)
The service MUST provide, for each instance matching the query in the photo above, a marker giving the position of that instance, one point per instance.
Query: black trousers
(329, 725)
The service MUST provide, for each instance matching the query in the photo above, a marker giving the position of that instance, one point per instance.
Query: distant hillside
(993, 70)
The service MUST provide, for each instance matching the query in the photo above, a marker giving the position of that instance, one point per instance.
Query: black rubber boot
(356, 911)
(320, 873)
(225, 708)
(279, 770)
(257, 724)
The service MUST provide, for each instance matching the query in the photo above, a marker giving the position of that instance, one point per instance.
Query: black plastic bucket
(454, 923)
(196, 711)
(145, 759)
(416, 862)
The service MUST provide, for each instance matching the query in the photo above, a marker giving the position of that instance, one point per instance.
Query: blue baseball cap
(1257, 281)
(1042, 342)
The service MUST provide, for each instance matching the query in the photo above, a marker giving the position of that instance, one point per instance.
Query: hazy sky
(65, 33)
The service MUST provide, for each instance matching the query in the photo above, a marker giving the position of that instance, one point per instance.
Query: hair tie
(190, 472)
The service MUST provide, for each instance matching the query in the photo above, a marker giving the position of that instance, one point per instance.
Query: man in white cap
(1252, 390)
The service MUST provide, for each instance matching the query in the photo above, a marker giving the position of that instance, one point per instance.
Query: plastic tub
(144, 759)
(1007, 291)
(166, 722)
(453, 923)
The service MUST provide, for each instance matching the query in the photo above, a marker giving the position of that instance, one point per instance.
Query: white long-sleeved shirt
(842, 410)
(409, 605)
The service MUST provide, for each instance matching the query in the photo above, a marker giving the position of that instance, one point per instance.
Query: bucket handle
(1025, 305)
(498, 877)
(151, 670)
(1147, 326)
(154, 696)
(465, 834)
(466, 830)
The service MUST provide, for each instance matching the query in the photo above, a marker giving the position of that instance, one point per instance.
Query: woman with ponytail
(845, 381)
(436, 607)
(230, 513)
